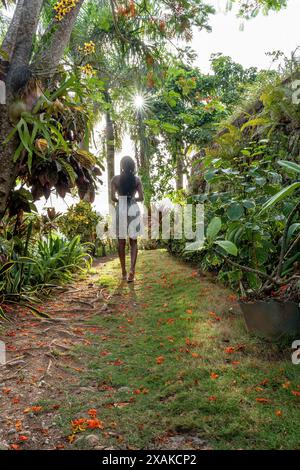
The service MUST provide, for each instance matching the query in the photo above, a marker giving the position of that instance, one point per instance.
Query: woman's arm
(113, 190)
(140, 191)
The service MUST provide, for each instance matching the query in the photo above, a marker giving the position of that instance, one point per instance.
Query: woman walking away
(126, 191)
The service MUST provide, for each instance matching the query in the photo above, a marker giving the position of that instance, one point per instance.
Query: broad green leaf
(170, 128)
(213, 228)
(235, 211)
(248, 204)
(228, 246)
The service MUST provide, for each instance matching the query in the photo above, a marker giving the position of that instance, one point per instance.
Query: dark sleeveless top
(129, 196)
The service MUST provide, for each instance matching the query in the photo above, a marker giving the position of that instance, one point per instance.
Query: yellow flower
(88, 70)
(64, 7)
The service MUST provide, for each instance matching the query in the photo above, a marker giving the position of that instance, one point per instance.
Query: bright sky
(278, 31)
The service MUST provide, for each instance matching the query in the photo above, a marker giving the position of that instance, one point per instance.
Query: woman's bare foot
(130, 277)
(124, 276)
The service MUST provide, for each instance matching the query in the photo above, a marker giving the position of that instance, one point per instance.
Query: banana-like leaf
(285, 192)
(289, 165)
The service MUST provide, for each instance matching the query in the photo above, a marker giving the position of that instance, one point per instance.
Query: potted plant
(272, 310)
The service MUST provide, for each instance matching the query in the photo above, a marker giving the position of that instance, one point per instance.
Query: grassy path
(167, 363)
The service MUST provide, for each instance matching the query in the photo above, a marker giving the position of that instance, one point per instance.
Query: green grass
(172, 313)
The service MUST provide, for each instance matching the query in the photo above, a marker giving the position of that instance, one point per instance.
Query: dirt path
(164, 363)
(40, 364)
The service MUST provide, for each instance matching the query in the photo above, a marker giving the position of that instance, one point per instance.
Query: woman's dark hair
(127, 177)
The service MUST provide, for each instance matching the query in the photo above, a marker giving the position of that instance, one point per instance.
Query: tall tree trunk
(9, 41)
(110, 151)
(21, 48)
(29, 18)
(179, 174)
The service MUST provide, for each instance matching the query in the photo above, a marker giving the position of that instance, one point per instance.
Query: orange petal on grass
(295, 393)
(230, 350)
(214, 376)
(33, 409)
(92, 413)
(278, 413)
(213, 398)
(160, 359)
(262, 400)
(264, 382)
(189, 311)
(94, 424)
(15, 447)
(18, 425)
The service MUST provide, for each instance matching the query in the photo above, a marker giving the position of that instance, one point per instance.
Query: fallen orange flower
(33, 409)
(60, 446)
(214, 376)
(23, 438)
(95, 424)
(15, 447)
(295, 393)
(278, 413)
(18, 425)
(264, 382)
(160, 359)
(189, 311)
(15, 400)
(262, 400)
(229, 350)
(92, 413)
(79, 425)
(212, 398)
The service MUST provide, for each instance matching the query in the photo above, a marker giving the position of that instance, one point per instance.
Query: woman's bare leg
(122, 256)
(133, 257)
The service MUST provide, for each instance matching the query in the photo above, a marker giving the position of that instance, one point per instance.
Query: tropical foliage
(251, 205)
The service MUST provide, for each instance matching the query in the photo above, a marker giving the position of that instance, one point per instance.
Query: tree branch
(8, 44)
(249, 270)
